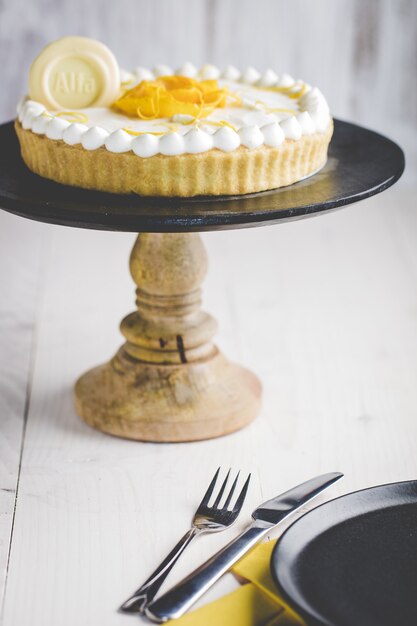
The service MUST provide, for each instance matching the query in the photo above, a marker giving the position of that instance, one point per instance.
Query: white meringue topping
(187, 69)
(268, 79)
(55, 128)
(273, 134)
(119, 141)
(197, 140)
(250, 76)
(162, 70)
(231, 73)
(251, 137)
(306, 123)
(226, 139)
(291, 128)
(209, 72)
(39, 124)
(142, 73)
(267, 116)
(285, 80)
(171, 144)
(145, 145)
(94, 138)
(73, 134)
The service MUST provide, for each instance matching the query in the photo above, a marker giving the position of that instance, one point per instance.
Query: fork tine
(229, 497)
(209, 491)
(222, 488)
(242, 495)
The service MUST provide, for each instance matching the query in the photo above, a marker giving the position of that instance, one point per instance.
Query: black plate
(361, 163)
(353, 561)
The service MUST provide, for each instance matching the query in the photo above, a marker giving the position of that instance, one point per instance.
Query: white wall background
(361, 53)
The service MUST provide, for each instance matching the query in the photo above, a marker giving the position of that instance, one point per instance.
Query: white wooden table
(325, 312)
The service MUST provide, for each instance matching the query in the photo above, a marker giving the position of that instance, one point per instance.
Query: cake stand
(169, 382)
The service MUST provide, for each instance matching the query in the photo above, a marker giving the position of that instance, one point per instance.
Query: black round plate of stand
(361, 163)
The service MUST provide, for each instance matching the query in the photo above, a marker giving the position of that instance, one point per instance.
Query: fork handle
(146, 592)
(180, 598)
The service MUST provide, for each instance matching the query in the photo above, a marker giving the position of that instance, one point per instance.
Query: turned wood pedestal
(168, 382)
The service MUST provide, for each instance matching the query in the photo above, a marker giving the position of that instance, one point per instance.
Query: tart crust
(214, 172)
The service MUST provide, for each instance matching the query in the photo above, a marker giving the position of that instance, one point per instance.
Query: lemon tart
(160, 132)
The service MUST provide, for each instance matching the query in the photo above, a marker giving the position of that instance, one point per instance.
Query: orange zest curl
(168, 95)
(73, 116)
(220, 124)
(294, 91)
(137, 133)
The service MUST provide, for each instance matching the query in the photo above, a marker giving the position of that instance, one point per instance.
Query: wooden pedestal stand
(168, 382)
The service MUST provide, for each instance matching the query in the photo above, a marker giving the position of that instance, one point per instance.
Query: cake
(160, 132)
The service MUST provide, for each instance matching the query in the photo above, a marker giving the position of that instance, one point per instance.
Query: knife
(180, 598)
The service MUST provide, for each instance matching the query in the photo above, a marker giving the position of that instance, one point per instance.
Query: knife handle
(180, 598)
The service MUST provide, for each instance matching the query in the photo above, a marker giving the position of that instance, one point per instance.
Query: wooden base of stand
(168, 382)
(152, 402)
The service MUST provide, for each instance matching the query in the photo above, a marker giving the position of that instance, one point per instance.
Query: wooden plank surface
(324, 310)
(20, 288)
(361, 53)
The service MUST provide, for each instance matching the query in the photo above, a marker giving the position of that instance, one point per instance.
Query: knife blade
(271, 513)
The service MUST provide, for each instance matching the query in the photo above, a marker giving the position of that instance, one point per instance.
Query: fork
(207, 519)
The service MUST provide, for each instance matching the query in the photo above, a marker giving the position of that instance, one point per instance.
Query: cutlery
(207, 519)
(182, 596)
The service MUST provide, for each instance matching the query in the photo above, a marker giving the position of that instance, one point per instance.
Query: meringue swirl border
(313, 117)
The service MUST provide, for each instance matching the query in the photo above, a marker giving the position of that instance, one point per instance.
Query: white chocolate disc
(74, 73)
